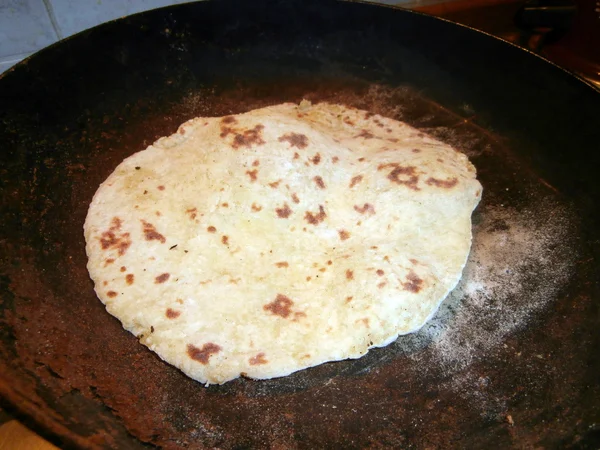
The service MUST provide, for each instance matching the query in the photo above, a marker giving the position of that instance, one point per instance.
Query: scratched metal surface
(73, 112)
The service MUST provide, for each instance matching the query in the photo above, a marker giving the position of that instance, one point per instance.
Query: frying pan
(511, 360)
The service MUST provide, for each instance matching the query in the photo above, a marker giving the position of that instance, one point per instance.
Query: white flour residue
(518, 262)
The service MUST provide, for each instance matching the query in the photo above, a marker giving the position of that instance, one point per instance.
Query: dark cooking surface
(75, 110)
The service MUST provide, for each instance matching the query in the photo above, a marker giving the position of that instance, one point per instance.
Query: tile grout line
(50, 12)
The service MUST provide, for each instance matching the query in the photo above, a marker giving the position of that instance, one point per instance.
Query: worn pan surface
(511, 360)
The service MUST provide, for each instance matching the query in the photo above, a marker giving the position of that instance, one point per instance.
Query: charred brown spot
(109, 261)
(256, 207)
(123, 269)
(416, 150)
(129, 278)
(202, 355)
(413, 283)
(211, 229)
(295, 198)
(365, 134)
(406, 176)
(225, 205)
(252, 174)
(349, 299)
(335, 159)
(275, 184)
(295, 140)
(367, 208)
(225, 240)
(349, 274)
(330, 262)
(323, 269)
(315, 219)
(192, 212)
(225, 131)
(348, 121)
(281, 306)
(355, 180)
(368, 115)
(282, 264)
(361, 159)
(258, 359)
(180, 301)
(381, 285)
(162, 278)
(316, 159)
(319, 181)
(172, 313)
(151, 234)
(256, 163)
(296, 155)
(228, 120)
(308, 278)
(344, 234)
(249, 138)
(112, 239)
(380, 272)
(284, 212)
(161, 188)
(112, 294)
(446, 184)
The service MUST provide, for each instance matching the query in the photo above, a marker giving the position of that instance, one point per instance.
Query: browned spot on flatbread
(258, 359)
(368, 115)
(344, 234)
(275, 184)
(112, 294)
(172, 313)
(413, 283)
(225, 205)
(225, 240)
(281, 306)
(248, 138)
(202, 355)
(316, 159)
(162, 278)
(281, 264)
(129, 278)
(380, 272)
(225, 131)
(256, 163)
(211, 229)
(349, 299)
(252, 174)
(446, 184)
(355, 180)
(295, 198)
(256, 207)
(381, 285)
(180, 301)
(112, 239)
(320, 183)
(108, 261)
(284, 212)
(315, 219)
(151, 234)
(365, 134)
(404, 175)
(367, 208)
(335, 159)
(229, 120)
(416, 150)
(348, 121)
(296, 155)
(192, 212)
(349, 274)
(161, 188)
(123, 269)
(295, 140)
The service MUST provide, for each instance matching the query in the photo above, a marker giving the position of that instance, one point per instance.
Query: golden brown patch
(256, 207)
(108, 261)
(180, 301)
(284, 212)
(315, 219)
(382, 284)
(249, 138)
(129, 278)
(202, 355)
(365, 134)
(191, 212)
(161, 188)
(123, 269)
(225, 240)
(172, 313)
(151, 234)
(446, 184)
(319, 181)
(225, 205)
(282, 264)
(404, 175)
(275, 184)
(281, 306)
(111, 239)
(229, 120)
(349, 299)
(367, 208)
(112, 294)
(355, 180)
(258, 359)
(252, 174)
(296, 155)
(416, 150)
(162, 278)
(316, 159)
(335, 159)
(256, 163)
(344, 234)
(295, 140)
(211, 229)
(295, 198)
(413, 283)
(349, 274)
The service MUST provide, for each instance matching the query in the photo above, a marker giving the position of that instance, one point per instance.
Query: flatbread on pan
(268, 242)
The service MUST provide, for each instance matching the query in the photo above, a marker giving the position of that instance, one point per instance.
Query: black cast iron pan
(512, 360)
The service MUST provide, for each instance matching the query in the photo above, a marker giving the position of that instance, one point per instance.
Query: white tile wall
(27, 26)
